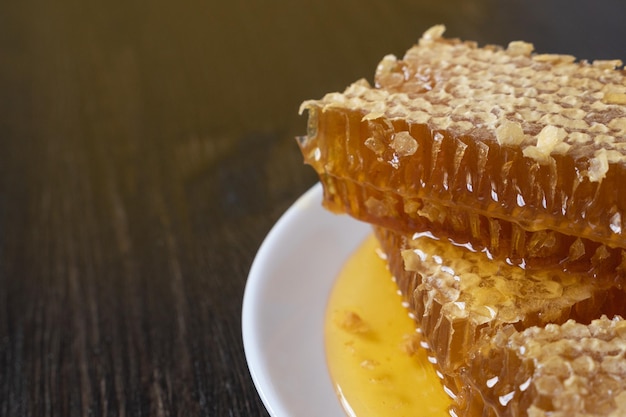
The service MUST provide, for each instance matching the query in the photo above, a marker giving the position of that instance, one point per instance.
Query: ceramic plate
(284, 306)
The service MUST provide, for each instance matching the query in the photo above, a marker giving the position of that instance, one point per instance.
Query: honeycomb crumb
(376, 145)
(547, 140)
(598, 166)
(434, 32)
(411, 344)
(607, 64)
(510, 133)
(379, 208)
(554, 58)
(352, 323)
(616, 223)
(520, 48)
(386, 74)
(404, 144)
(577, 250)
(369, 364)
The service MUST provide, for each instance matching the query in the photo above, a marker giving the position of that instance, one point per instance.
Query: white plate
(284, 306)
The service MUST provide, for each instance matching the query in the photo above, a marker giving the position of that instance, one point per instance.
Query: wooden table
(146, 148)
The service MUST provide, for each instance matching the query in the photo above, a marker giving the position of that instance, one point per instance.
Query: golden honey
(372, 346)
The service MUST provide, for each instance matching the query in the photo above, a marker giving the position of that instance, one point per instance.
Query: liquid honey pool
(372, 347)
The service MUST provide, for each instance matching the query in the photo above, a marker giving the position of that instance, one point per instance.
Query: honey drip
(372, 346)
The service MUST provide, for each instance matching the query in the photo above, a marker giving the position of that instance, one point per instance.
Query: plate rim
(345, 235)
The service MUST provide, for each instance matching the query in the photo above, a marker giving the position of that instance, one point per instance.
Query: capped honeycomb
(568, 370)
(514, 152)
(459, 296)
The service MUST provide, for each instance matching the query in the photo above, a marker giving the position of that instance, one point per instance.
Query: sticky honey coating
(372, 348)
(468, 306)
(511, 151)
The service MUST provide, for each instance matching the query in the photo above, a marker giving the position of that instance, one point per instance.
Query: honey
(372, 346)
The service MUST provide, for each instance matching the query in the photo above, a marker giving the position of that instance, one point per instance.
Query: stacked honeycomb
(492, 178)
(513, 152)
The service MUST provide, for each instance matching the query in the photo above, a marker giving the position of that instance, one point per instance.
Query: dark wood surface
(146, 148)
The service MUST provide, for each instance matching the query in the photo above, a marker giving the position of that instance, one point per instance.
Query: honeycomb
(492, 178)
(514, 152)
(461, 298)
(562, 371)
